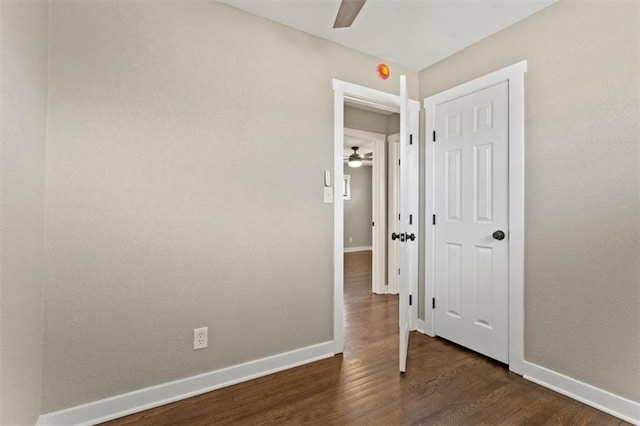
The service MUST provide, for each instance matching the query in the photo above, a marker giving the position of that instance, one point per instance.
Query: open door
(407, 230)
(408, 219)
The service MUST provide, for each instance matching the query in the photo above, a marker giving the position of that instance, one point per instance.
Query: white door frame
(514, 75)
(393, 176)
(379, 203)
(367, 97)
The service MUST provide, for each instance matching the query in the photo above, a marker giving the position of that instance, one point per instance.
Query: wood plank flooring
(444, 383)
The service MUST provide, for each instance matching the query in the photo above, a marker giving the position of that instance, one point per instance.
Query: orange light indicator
(383, 71)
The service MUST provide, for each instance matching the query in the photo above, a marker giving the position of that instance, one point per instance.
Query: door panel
(453, 174)
(454, 279)
(483, 194)
(471, 198)
(484, 283)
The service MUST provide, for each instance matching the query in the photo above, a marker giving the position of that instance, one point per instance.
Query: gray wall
(393, 124)
(358, 210)
(369, 121)
(173, 171)
(22, 135)
(582, 183)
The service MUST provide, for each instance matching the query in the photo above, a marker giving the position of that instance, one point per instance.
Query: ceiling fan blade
(347, 13)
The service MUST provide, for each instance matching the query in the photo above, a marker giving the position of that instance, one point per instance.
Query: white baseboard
(352, 249)
(420, 326)
(144, 399)
(608, 402)
(385, 291)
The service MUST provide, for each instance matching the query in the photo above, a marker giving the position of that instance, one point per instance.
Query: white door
(408, 221)
(471, 236)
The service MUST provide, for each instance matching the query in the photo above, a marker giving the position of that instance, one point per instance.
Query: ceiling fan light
(354, 160)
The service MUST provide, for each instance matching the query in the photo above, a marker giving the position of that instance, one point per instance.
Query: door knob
(411, 236)
(498, 235)
(394, 236)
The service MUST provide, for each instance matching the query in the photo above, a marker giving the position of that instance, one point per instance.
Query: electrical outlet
(200, 338)
(350, 239)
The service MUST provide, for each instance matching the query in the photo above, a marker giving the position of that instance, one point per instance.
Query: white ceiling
(413, 33)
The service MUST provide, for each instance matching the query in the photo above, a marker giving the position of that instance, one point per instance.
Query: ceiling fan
(356, 160)
(347, 13)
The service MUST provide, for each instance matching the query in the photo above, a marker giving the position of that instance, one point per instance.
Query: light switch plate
(327, 178)
(328, 194)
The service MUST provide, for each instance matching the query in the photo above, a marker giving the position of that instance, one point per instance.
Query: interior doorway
(408, 194)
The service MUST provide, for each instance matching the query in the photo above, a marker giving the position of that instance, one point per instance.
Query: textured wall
(22, 135)
(176, 197)
(358, 210)
(582, 183)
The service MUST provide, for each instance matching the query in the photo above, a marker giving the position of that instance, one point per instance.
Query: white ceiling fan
(348, 12)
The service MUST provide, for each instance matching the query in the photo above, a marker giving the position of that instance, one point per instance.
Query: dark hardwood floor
(444, 383)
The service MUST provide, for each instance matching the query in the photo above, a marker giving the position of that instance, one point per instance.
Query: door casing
(514, 75)
(372, 98)
(393, 177)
